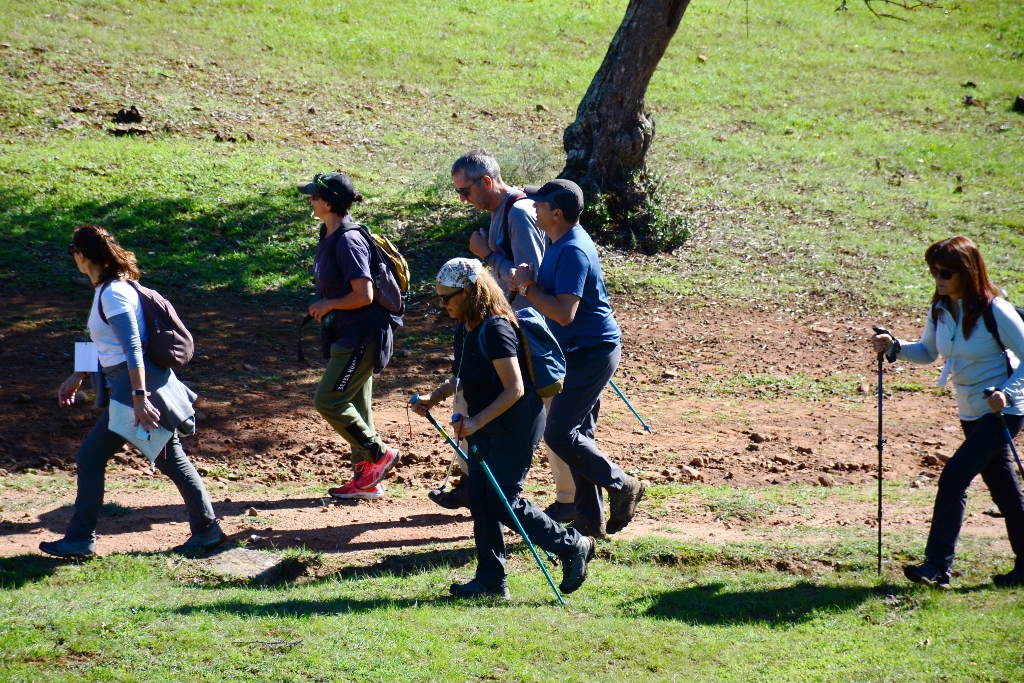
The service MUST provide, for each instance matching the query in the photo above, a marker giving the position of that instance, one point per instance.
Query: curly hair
(959, 253)
(99, 246)
(485, 299)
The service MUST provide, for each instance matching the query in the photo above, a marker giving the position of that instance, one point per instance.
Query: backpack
(989, 319)
(168, 342)
(389, 268)
(390, 282)
(505, 248)
(545, 362)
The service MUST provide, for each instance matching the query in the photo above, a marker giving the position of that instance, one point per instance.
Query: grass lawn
(655, 610)
(814, 157)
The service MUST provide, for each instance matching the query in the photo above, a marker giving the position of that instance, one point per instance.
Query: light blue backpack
(544, 358)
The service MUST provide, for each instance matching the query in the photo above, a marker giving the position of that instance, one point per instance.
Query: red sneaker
(369, 474)
(350, 492)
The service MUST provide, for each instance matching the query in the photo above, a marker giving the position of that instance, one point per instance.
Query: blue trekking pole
(1006, 430)
(647, 427)
(494, 483)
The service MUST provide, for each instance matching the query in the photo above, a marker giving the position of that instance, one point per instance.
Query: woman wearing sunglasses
(504, 421)
(981, 338)
(127, 376)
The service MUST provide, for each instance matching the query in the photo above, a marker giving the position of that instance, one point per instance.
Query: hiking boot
(561, 512)
(203, 541)
(350, 492)
(68, 549)
(369, 474)
(574, 565)
(478, 589)
(622, 503)
(457, 498)
(589, 527)
(1009, 579)
(928, 574)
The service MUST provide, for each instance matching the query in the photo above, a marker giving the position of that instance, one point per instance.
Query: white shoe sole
(359, 495)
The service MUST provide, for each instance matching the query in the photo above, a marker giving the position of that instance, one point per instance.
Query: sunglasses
(943, 273)
(464, 191)
(445, 298)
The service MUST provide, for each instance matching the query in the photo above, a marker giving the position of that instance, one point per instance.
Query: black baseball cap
(564, 194)
(337, 188)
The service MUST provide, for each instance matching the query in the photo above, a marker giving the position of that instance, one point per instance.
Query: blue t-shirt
(570, 266)
(333, 274)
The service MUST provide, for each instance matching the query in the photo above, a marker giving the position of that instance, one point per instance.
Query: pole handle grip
(991, 390)
(881, 330)
(414, 398)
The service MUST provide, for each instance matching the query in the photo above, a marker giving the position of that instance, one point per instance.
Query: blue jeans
(570, 427)
(985, 452)
(98, 448)
(507, 444)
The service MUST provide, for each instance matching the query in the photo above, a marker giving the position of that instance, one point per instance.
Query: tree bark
(606, 146)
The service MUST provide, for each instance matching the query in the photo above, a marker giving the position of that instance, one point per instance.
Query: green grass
(650, 611)
(841, 135)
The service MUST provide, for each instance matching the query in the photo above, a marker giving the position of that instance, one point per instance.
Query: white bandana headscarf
(459, 273)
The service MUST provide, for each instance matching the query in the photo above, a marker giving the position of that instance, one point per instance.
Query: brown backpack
(168, 342)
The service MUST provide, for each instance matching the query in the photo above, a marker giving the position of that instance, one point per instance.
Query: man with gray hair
(512, 238)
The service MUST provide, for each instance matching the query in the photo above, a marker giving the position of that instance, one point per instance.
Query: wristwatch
(525, 286)
(140, 392)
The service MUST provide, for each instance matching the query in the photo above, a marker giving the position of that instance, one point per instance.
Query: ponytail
(99, 246)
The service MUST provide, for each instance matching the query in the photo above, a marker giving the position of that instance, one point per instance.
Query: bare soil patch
(743, 393)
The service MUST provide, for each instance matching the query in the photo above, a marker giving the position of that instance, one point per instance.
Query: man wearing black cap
(569, 290)
(351, 334)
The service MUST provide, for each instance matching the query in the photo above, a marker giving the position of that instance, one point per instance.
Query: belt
(114, 368)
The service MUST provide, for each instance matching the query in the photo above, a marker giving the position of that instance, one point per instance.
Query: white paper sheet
(87, 357)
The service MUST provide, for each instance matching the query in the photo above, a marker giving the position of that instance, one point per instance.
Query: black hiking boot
(478, 589)
(928, 574)
(457, 498)
(1010, 579)
(589, 527)
(69, 549)
(574, 565)
(623, 502)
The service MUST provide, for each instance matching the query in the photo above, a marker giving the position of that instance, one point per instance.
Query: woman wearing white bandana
(505, 421)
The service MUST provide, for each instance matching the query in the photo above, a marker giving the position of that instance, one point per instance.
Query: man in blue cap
(569, 290)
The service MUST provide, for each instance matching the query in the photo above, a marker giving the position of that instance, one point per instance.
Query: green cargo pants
(343, 399)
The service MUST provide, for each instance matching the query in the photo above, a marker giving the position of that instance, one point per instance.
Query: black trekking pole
(881, 445)
(1006, 430)
(501, 495)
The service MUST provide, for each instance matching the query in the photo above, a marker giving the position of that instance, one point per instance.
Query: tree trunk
(606, 146)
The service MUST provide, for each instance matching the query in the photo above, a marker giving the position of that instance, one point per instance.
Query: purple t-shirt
(342, 257)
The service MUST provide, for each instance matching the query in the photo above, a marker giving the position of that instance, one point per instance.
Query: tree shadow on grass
(18, 570)
(711, 604)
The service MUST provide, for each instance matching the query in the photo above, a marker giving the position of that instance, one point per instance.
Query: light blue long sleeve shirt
(977, 363)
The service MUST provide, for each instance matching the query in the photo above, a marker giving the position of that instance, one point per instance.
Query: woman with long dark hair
(981, 338)
(505, 421)
(126, 375)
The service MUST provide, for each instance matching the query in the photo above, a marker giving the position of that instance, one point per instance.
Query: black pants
(506, 445)
(985, 452)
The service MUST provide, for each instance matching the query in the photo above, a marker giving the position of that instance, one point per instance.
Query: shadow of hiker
(17, 570)
(711, 604)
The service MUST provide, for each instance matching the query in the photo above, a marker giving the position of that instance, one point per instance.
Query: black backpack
(168, 342)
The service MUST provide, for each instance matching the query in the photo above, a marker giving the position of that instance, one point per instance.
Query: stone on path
(246, 564)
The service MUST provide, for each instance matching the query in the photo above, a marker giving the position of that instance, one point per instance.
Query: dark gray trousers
(507, 444)
(570, 427)
(985, 451)
(92, 458)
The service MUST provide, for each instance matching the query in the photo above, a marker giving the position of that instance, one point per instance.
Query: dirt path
(748, 394)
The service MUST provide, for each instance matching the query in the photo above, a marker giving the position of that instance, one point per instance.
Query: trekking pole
(881, 445)
(647, 427)
(508, 508)
(1006, 430)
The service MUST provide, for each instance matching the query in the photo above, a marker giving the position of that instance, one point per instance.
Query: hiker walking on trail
(355, 329)
(127, 376)
(981, 337)
(512, 238)
(504, 420)
(569, 290)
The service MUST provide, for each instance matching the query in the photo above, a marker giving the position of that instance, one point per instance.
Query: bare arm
(361, 295)
(558, 307)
